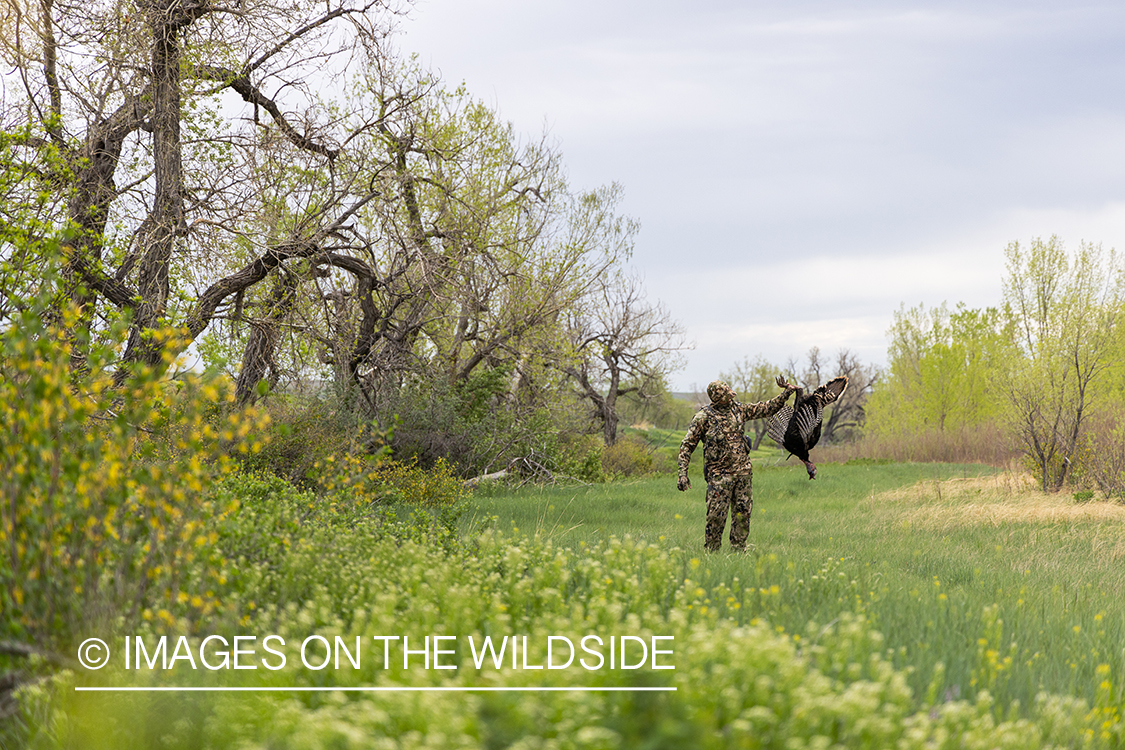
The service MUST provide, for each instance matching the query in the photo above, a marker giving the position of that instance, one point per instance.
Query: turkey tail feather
(808, 417)
(832, 390)
(778, 423)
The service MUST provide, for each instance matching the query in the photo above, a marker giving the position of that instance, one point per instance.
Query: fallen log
(486, 478)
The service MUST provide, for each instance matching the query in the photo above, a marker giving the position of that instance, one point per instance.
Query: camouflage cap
(720, 393)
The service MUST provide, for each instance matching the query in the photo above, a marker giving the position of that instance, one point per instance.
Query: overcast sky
(800, 169)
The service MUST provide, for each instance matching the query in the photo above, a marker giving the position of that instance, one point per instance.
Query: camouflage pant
(731, 493)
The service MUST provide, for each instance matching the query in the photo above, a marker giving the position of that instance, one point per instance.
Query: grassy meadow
(882, 605)
(959, 565)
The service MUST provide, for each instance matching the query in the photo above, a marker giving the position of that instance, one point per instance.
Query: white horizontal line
(398, 688)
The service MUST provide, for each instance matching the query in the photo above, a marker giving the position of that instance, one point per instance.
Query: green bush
(434, 420)
(303, 435)
(101, 507)
(413, 485)
(580, 457)
(630, 456)
(1098, 463)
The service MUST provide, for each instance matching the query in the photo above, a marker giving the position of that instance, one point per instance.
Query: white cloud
(894, 151)
(850, 303)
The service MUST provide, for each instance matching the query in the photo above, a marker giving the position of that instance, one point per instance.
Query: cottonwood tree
(624, 344)
(142, 122)
(469, 255)
(204, 185)
(1064, 310)
(403, 228)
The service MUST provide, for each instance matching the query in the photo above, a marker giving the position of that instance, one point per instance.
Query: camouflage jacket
(722, 429)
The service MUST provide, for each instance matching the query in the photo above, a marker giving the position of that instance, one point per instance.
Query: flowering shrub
(304, 433)
(102, 502)
(363, 479)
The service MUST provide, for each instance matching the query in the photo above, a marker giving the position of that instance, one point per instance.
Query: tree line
(754, 378)
(1039, 379)
(273, 187)
(1041, 375)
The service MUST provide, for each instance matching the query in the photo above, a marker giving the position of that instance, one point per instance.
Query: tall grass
(987, 443)
(974, 579)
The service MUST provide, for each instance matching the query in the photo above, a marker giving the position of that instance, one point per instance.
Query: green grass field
(913, 606)
(962, 566)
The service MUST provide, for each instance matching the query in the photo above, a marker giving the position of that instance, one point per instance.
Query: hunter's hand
(781, 383)
(683, 484)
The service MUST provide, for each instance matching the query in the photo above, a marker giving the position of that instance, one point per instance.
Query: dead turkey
(796, 428)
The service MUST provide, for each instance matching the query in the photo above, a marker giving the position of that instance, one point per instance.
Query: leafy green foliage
(100, 507)
(739, 681)
(1065, 311)
(433, 421)
(946, 372)
(305, 436)
(582, 457)
(1040, 377)
(628, 457)
(1099, 458)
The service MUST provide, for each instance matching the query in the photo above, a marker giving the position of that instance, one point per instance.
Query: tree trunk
(261, 346)
(760, 431)
(167, 216)
(609, 403)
